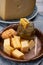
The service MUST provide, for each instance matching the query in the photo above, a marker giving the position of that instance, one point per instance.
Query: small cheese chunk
(31, 44)
(8, 50)
(15, 42)
(18, 54)
(8, 33)
(24, 22)
(7, 42)
(24, 46)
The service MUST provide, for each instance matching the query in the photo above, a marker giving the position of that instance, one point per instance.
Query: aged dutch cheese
(15, 9)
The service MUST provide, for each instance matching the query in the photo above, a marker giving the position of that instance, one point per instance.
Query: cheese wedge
(24, 46)
(18, 54)
(16, 9)
(31, 44)
(15, 42)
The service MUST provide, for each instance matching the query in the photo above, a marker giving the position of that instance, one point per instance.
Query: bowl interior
(31, 54)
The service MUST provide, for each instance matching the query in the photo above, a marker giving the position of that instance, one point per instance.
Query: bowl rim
(1, 53)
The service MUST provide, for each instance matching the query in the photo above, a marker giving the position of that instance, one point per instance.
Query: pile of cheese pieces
(17, 47)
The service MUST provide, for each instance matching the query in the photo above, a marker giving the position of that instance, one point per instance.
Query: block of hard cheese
(15, 9)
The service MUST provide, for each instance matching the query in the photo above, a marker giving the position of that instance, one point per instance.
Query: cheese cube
(15, 42)
(18, 54)
(8, 33)
(24, 22)
(24, 46)
(8, 50)
(31, 44)
(7, 42)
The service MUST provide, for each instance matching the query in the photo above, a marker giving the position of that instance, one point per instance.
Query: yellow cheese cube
(15, 42)
(8, 33)
(18, 54)
(24, 46)
(7, 42)
(24, 22)
(8, 50)
(31, 44)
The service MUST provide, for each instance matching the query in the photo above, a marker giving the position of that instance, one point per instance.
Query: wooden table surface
(39, 22)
